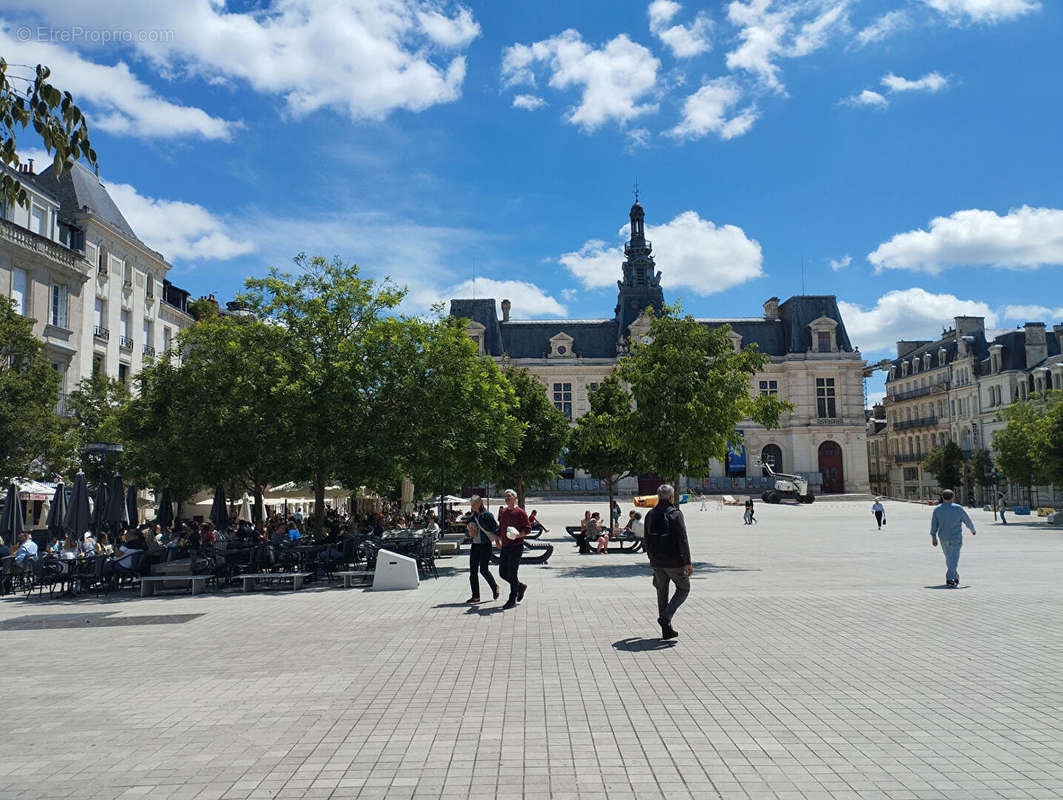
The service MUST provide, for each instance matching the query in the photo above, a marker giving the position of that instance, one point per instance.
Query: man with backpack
(665, 540)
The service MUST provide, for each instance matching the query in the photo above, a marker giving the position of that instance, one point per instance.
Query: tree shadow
(637, 644)
(603, 569)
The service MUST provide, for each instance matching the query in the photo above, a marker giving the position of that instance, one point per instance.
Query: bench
(447, 548)
(296, 578)
(149, 585)
(350, 575)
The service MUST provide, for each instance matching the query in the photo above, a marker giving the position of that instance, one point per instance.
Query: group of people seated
(593, 530)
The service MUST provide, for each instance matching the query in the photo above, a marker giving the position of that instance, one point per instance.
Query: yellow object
(1044, 512)
(650, 500)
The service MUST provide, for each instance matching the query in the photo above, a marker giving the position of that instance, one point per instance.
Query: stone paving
(818, 658)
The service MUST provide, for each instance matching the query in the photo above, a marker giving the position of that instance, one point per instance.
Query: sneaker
(510, 604)
(473, 600)
(521, 590)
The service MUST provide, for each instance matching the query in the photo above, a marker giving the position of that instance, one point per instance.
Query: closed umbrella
(165, 515)
(116, 517)
(131, 510)
(219, 514)
(56, 520)
(78, 519)
(245, 508)
(11, 521)
(99, 509)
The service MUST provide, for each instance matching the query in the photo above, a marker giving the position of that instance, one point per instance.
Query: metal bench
(350, 575)
(149, 585)
(296, 578)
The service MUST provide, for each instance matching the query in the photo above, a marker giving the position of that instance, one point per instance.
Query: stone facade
(813, 365)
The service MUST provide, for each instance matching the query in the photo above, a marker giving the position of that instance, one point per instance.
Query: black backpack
(660, 542)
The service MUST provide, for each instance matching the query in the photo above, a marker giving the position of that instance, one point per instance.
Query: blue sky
(907, 151)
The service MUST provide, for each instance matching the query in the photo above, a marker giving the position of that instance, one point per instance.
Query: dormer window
(904, 368)
(915, 365)
(927, 361)
(824, 339)
(476, 331)
(561, 345)
(735, 339)
(942, 357)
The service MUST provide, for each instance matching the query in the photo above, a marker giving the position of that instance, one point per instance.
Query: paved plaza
(818, 658)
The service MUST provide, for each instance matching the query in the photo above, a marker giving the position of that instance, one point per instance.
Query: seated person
(103, 545)
(431, 525)
(122, 560)
(27, 549)
(70, 548)
(602, 537)
(634, 524)
(583, 540)
(533, 520)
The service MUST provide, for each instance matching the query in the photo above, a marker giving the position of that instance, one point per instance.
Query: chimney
(966, 326)
(1058, 331)
(771, 308)
(506, 305)
(1036, 343)
(29, 167)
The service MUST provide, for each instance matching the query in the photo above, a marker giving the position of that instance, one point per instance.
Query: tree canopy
(691, 390)
(945, 463)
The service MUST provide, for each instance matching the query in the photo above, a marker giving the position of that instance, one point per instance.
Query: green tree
(331, 317)
(1015, 445)
(220, 412)
(603, 442)
(945, 463)
(1048, 445)
(53, 115)
(545, 432)
(96, 408)
(981, 465)
(452, 412)
(691, 390)
(29, 390)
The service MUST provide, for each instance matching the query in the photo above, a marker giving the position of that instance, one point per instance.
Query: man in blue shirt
(946, 524)
(27, 548)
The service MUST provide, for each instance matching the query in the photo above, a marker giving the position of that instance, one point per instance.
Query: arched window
(772, 454)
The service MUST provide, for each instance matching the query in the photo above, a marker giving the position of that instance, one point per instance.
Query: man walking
(513, 526)
(665, 540)
(879, 511)
(947, 524)
(482, 530)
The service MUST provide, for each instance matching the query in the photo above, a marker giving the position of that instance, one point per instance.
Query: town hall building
(813, 366)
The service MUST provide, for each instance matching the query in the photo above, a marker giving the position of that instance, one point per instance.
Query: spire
(641, 284)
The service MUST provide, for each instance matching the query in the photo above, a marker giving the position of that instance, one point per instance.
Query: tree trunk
(520, 493)
(609, 488)
(319, 502)
(259, 511)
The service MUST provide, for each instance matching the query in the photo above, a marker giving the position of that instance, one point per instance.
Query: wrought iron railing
(101, 333)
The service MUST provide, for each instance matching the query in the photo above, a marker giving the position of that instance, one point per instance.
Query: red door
(830, 467)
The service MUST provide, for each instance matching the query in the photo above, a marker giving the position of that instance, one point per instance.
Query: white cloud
(684, 41)
(113, 99)
(637, 138)
(180, 231)
(528, 300)
(700, 255)
(613, 79)
(837, 264)
(931, 82)
(1024, 238)
(769, 31)
(906, 314)
(1033, 313)
(884, 26)
(706, 111)
(364, 58)
(988, 11)
(866, 98)
(528, 102)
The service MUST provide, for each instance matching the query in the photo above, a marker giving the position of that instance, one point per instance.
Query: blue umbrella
(99, 509)
(116, 516)
(11, 520)
(165, 515)
(78, 519)
(56, 520)
(131, 506)
(219, 513)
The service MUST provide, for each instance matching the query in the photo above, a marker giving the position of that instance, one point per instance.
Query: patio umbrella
(245, 508)
(78, 519)
(116, 517)
(131, 505)
(99, 509)
(165, 515)
(219, 516)
(56, 520)
(11, 521)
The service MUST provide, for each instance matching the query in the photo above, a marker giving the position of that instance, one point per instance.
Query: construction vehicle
(787, 487)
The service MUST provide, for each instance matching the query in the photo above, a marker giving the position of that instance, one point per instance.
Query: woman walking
(879, 511)
(482, 531)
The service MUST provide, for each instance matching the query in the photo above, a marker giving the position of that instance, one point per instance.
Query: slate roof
(79, 190)
(1013, 354)
(597, 338)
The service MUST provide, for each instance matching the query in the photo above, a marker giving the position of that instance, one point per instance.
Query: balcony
(149, 351)
(125, 342)
(29, 240)
(647, 245)
(909, 459)
(924, 422)
(830, 421)
(101, 333)
(923, 391)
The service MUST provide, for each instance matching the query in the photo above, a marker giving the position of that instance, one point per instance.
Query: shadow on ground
(638, 645)
(600, 568)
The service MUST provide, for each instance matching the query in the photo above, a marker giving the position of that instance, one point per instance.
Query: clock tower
(641, 286)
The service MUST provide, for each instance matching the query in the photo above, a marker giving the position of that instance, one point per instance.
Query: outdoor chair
(45, 574)
(127, 576)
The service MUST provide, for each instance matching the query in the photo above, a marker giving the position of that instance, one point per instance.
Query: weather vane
(636, 189)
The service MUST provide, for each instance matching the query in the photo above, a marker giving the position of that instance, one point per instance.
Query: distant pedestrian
(879, 511)
(665, 540)
(615, 513)
(483, 530)
(1002, 506)
(946, 524)
(748, 517)
(513, 526)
